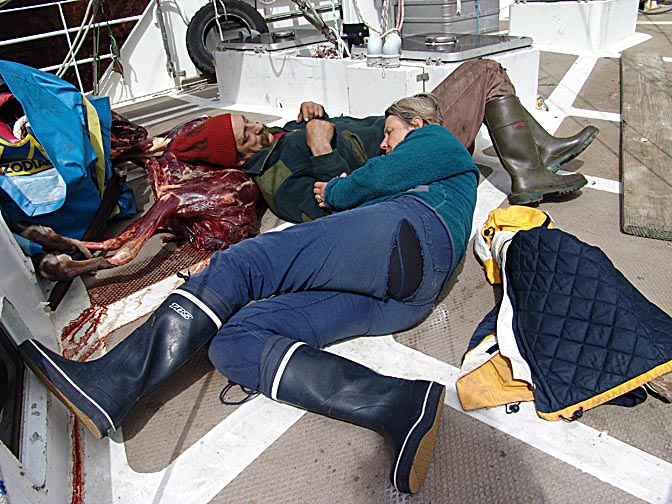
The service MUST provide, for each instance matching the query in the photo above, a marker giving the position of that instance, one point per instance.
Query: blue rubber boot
(405, 412)
(101, 392)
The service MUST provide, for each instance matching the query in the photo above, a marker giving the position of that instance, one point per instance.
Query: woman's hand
(318, 191)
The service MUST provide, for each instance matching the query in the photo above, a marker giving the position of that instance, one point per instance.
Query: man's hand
(318, 136)
(310, 110)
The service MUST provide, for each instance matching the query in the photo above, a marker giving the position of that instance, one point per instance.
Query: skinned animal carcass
(211, 207)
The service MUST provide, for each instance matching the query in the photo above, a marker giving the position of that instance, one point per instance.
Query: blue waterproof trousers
(322, 282)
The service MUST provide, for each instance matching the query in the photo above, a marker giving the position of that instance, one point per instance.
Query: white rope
(334, 16)
(342, 47)
(361, 17)
(80, 36)
(18, 125)
(384, 31)
(76, 45)
(400, 17)
(387, 4)
(219, 26)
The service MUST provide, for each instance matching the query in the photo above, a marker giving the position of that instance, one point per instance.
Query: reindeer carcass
(211, 207)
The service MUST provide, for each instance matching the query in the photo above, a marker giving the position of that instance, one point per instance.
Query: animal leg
(118, 241)
(48, 238)
(58, 267)
(62, 267)
(150, 147)
(145, 227)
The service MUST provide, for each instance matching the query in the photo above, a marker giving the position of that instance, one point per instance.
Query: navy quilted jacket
(587, 334)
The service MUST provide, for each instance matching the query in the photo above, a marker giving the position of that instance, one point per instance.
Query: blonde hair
(422, 105)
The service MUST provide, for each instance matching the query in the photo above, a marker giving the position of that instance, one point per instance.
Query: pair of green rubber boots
(530, 154)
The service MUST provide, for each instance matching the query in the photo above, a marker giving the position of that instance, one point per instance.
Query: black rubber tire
(203, 34)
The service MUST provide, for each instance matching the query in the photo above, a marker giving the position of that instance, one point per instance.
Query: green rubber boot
(515, 144)
(556, 151)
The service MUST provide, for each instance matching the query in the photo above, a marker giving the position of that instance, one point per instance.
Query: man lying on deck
(286, 163)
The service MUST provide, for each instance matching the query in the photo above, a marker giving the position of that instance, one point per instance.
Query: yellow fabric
(19, 167)
(96, 137)
(492, 384)
(510, 219)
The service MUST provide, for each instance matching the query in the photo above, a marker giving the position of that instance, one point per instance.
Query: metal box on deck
(444, 48)
(450, 16)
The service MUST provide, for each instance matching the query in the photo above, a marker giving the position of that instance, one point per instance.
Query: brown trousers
(464, 93)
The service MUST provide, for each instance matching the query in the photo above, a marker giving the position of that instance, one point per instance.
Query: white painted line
(667, 59)
(205, 468)
(596, 453)
(569, 87)
(601, 184)
(201, 471)
(491, 193)
(562, 98)
(594, 114)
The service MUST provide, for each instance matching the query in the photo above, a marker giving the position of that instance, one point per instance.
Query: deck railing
(70, 36)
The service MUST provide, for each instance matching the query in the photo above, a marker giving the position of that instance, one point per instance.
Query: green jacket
(286, 171)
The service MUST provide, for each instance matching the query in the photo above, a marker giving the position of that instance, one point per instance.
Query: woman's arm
(426, 155)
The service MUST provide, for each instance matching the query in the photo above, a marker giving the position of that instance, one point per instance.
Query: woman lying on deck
(374, 269)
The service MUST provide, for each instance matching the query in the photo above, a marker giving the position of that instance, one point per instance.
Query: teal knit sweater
(430, 164)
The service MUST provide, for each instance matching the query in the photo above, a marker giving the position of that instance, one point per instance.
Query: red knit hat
(210, 142)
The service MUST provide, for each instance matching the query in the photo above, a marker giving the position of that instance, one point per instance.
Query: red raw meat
(212, 207)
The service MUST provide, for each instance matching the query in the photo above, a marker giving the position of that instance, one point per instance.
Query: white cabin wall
(41, 473)
(582, 28)
(143, 56)
(281, 80)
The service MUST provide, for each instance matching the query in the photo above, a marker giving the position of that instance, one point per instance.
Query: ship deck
(180, 444)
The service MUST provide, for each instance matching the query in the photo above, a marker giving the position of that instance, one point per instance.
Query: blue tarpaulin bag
(56, 174)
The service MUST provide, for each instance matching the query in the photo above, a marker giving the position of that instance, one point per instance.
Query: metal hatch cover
(274, 41)
(448, 47)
